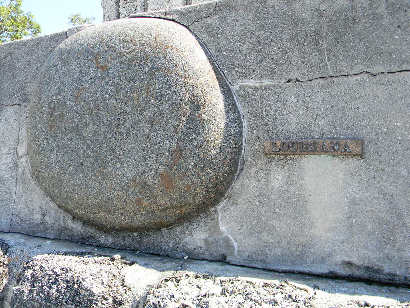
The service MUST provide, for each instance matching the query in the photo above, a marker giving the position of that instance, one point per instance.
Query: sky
(52, 15)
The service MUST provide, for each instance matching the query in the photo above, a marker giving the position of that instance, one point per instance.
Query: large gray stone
(324, 215)
(132, 128)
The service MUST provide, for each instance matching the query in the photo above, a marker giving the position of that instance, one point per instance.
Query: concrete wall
(300, 69)
(114, 9)
(110, 9)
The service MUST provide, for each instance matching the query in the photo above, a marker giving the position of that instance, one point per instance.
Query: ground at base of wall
(36, 272)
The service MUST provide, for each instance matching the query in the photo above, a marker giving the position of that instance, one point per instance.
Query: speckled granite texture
(131, 129)
(113, 9)
(299, 70)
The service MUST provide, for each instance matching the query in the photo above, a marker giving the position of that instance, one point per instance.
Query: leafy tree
(15, 24)
(77, 20)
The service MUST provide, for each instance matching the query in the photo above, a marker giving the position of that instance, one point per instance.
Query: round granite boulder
(133, 127)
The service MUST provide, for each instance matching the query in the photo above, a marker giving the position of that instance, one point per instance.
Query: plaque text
(347, 147)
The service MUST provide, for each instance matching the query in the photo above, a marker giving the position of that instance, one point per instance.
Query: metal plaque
(344, 147)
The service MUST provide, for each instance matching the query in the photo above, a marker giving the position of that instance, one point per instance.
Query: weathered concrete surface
(334, 205)
(9, 131)
(45, 273)
(17, 72)
(287, 40)
(300, 70)
(127, 7)
(336, 214)
(110, 9)
(132, 128)
(114, 9)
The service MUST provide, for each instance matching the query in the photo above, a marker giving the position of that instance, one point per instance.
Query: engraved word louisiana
(344, 147)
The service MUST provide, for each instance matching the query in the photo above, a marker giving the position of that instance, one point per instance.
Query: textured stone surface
(9, 131)
(58, 280)
(20, 69)
(336, 214)
(110, 9)
(131, 129)
(322, 215)
(20, 63)
(276, 41)
(193, 290)
(44, 273)
(4, 271)
(127, 7)
(64, 274)
(321, 211)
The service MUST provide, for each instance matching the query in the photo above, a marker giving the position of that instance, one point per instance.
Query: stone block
(110, 9)
(126, 7)
(337, 214)
(298, 70)
(9, 136)
(21, 62)
(277, 41)
(114, 9)
(155, 5)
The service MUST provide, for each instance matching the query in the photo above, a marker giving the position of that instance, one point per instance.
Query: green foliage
(77, 20)
(15, 24)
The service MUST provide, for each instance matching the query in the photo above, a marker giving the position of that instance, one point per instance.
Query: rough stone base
(51, 273)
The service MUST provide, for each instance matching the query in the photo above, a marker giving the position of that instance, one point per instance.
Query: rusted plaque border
(340, 147)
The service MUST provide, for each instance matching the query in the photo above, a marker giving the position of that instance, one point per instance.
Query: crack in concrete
(267, 82)
(10, 105)
(373, 74)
